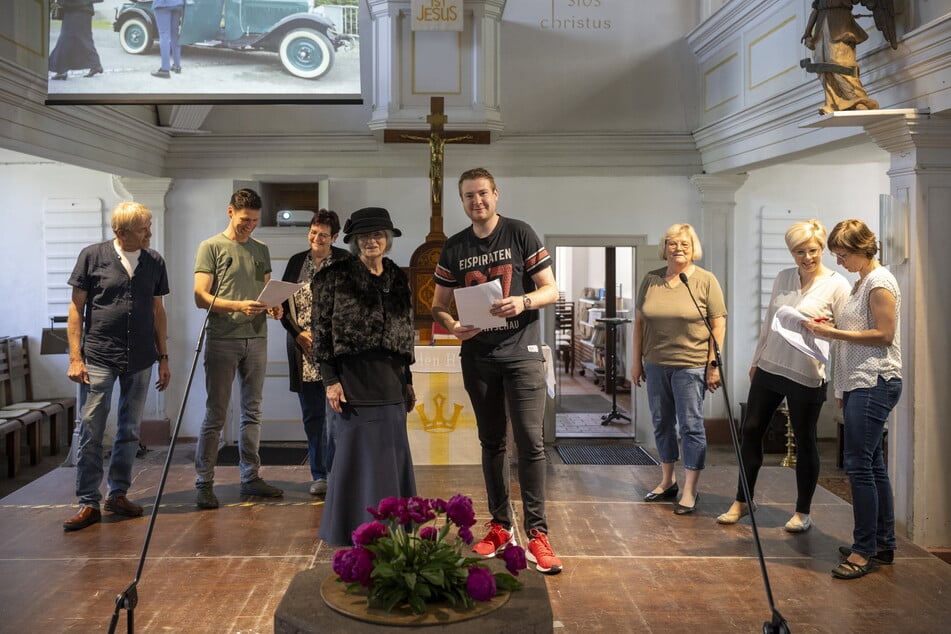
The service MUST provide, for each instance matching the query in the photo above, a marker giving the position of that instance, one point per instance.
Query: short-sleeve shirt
(119, 316)
(243, 280)
(512, 254)
(674, 332)
(858, 365)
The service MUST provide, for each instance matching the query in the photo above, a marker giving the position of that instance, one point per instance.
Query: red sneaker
(495, 541)
(540, 553)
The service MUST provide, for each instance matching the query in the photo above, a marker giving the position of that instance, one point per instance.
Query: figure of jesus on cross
(437, 147)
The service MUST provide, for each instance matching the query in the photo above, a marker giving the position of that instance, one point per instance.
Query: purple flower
(367, 533)
(480, 583)
(459, 511)
(428, 533)
(514, 557)
(389, 507)
(354, 565)
(438, 504)
(465, 535)
(418, 511)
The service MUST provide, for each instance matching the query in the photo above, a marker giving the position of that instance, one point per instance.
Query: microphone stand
(129, 598)
(777, 625)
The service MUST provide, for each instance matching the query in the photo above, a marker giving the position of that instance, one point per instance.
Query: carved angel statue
(832, 33)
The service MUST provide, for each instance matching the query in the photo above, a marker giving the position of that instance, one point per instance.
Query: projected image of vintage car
(303, 37)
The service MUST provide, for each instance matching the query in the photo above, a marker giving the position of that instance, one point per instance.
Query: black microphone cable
(777, 625)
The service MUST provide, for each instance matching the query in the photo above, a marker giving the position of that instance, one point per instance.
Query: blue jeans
(675, 395)
(521, 385)
(223, 358)
(865, 411)
(95, 402)
(313, 403)
(167, 19)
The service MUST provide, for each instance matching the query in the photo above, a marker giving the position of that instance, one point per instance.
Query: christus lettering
(437, 12)
(487, 258)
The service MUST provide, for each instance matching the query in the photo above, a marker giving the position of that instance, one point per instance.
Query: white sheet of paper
(474, 303)
(787, 322)
(276, 291)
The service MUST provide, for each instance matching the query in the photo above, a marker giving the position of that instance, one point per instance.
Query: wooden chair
(14, 419)
(20, 393)
(565, 333)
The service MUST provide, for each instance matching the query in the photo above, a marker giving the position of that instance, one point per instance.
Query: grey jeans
(223, 359)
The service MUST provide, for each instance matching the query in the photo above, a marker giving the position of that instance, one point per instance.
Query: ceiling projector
(294, 217)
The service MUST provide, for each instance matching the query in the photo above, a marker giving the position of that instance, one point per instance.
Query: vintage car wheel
(135, 36)
(306, 53)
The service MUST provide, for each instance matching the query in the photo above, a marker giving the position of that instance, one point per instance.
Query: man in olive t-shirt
(236, 266)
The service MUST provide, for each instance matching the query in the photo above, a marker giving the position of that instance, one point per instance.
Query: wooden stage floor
(629, 566)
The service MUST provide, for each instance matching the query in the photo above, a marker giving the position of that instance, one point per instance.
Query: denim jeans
(313, 403)
(95, 402)
(864, 412)
(167, 20)
(223, 358)
(675, 395)
(520, 384)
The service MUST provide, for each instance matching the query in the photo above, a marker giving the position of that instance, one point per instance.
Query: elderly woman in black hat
(363, 334)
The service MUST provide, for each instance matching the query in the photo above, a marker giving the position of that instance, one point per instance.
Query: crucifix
(437, 141)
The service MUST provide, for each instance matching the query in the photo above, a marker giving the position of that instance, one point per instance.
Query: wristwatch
(527, 302)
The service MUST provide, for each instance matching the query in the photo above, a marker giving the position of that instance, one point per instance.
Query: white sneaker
(318, 487)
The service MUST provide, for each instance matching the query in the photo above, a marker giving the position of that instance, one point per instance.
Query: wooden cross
(437, 141)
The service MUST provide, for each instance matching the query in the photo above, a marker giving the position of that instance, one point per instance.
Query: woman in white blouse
(780, 371)
(867, 381)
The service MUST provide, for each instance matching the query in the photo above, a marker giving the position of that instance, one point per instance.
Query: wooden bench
(17, 392)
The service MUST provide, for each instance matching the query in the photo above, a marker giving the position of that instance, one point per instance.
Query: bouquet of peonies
(407, 556)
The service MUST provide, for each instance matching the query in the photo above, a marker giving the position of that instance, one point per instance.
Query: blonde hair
(696, 251)
(128, 214)
(805, 231)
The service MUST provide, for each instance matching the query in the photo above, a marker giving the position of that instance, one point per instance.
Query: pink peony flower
(459, 511)
(389, 507)
(354, 565)
(417, 510)
(480, 584)
(367, 533)
(465, 535)
(514, 557)
(428, 533)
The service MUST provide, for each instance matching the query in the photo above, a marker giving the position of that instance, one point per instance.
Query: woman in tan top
(674, 353)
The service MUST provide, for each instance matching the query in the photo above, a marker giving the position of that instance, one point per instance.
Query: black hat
(368, 220)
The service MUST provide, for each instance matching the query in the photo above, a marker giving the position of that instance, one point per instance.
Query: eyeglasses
(807, 252)
(320, 236)
(681, 245)
(840, 256)
(379, 236)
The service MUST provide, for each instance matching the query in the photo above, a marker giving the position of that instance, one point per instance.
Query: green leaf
(505, 581)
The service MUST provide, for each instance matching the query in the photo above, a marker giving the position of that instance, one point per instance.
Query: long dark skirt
(372, 461)
(75, 49)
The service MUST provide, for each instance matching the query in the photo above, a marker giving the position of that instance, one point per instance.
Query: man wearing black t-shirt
(503, 366)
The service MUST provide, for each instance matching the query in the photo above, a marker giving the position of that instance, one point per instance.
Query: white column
(919, 433)
(718, 200)
(151, 193)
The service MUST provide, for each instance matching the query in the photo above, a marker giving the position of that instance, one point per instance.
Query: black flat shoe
(680, 509)
(177, 70)
(886, 557)
(850, 570)
(667, 494)
(93, 72)
(60, 77)
(162, 74)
